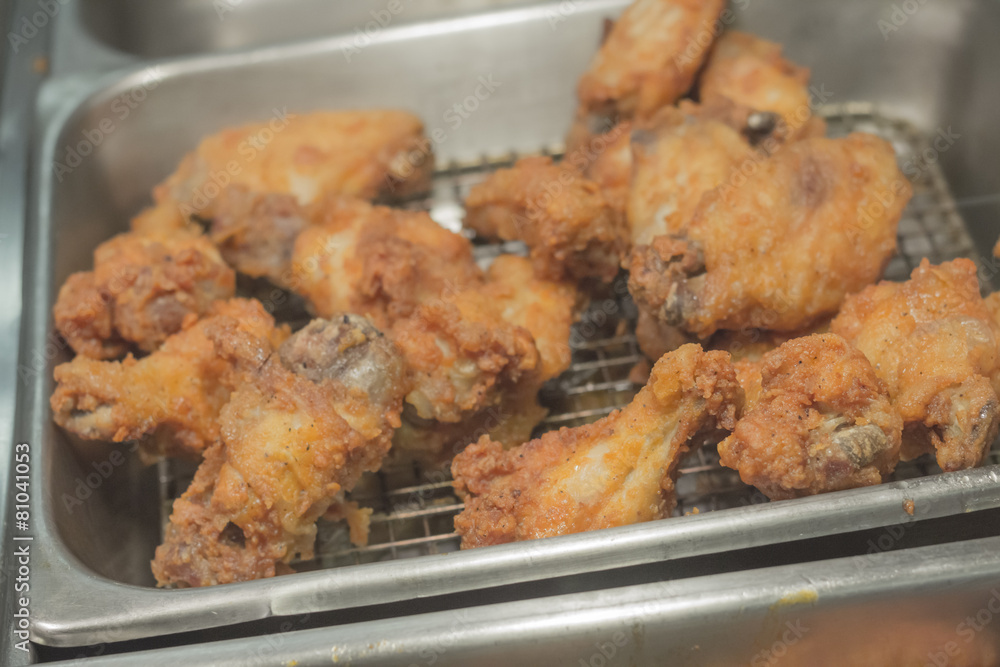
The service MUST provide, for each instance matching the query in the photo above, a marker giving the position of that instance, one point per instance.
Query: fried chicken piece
(818, 420)
(256, 233)
(468, 338)
(378, 262)
(462, 354)
(617, 471)
(682, 154)
(751, 72)
(934, 342)
(649, 58)
(366, 154)
(170, 400)
(752, 344)
(298, 432)
(536, 311)
(810, 225)
(139, 293)
(606, 159)
(570, 228)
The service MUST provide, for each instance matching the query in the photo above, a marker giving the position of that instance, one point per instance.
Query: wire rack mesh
(413, 509)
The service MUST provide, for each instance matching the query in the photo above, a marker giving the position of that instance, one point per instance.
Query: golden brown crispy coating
(365, 154)
(817, 419)
(934, 342)
(751, 72)
(256, 233)
(606, 159)
(571, 230)
(468, 339)
(462, 354)
(617, 471)
(378, 262)
(681, 154)
(170, 399)
(781, 248)
(140, 291)
(752, 344)
(298, 432)
(536, 313)
(650, 57)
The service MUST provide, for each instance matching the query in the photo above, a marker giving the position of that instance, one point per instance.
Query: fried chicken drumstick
(300, 430)
(810, 225)
(140, 292)
(817, 419)
(170, 399)
(934, 342)
(614, 472)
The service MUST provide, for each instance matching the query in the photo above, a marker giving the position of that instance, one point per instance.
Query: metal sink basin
(158, 28)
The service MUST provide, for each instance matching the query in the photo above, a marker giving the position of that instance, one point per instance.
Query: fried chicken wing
(256, 233)
(378, 262)
(468, 338)
(752, 344)
(751, 72)
(140, 291)
(617, 471)
(171, 399)
(780, 249)
(680, 155)
(817, 419)
(934, 342)
(463, 354)
(606, 159)
(366, 154)
(570, 228)
(513, 302)
(650, 57)
(299, 431)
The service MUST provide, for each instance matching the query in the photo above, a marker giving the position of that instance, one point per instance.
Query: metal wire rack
(414, 509)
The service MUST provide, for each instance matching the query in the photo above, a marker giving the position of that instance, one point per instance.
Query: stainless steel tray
(918, 607)
(95, 586)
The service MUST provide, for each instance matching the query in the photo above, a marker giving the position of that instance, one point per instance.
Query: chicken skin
(934, 342)
(378, 262)
(682, 154)
(513, 301)
(614, 472)
(171, 399)
(781, 248)
(299, 431)
(366, 154)
(571, 229)
(471, 339)
(817, 419)
(605, 159)
(650, 57)
(140, 292)
(751, 73)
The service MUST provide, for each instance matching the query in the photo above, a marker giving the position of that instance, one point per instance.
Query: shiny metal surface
(96, 554)
(909, 608)
(154, 28)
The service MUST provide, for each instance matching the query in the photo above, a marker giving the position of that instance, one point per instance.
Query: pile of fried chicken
(753, 246)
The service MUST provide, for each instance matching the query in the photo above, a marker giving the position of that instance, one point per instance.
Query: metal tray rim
(110, 602)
